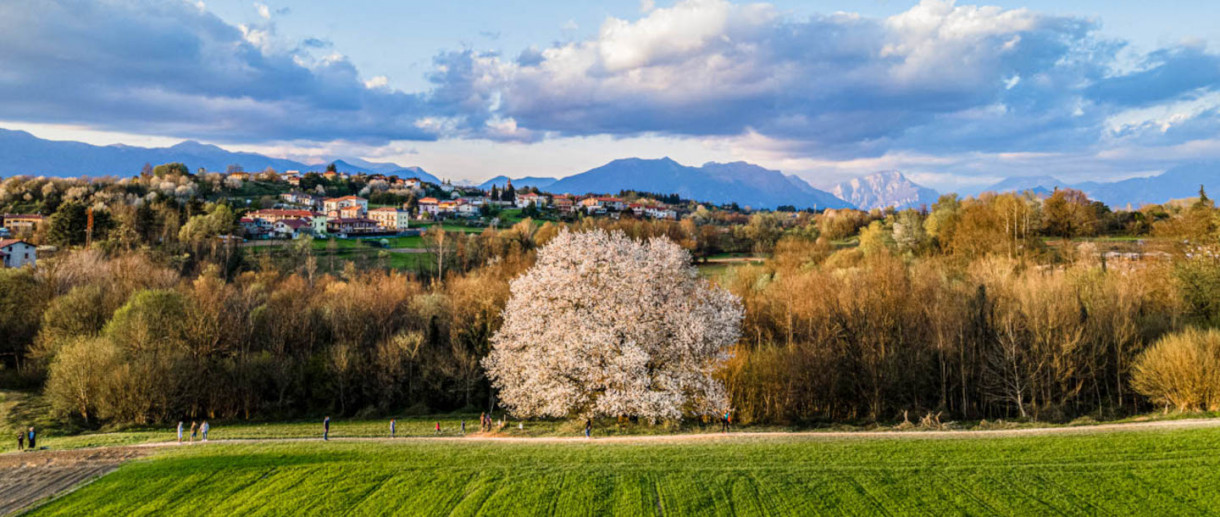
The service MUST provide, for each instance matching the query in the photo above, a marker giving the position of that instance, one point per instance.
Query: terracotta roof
(294, 223)
(428, 200)
(4, 243)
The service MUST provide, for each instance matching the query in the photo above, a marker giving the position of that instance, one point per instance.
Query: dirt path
(1163, 425)
(29, 477)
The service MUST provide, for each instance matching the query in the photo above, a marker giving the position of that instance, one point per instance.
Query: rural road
(1163, 425)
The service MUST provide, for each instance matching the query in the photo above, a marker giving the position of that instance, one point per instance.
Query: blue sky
(957, 95)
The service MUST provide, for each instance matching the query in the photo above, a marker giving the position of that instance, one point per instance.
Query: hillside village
(296, 212)
(168, 204)
(335, 204)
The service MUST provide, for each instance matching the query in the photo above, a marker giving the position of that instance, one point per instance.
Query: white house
(429, 205)
(600, 204)
(530, 198)
(335, 203)
(660, 212)
(301, 198)
(467, 209)
(391, 218)
(18, 253)
(292, 228)
(318, 224)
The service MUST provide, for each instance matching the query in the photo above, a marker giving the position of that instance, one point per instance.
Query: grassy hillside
(1148, 472)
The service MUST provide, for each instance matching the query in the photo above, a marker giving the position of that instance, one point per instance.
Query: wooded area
(977, 308)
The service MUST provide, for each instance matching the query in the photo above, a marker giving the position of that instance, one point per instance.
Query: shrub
(1182, 370)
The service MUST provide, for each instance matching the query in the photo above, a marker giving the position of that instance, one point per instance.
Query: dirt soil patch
(29, 477)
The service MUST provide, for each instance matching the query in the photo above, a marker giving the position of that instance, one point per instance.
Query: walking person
(588, 427)
(438, 428)
(21, 441)
(194, 431)
(30, 438)
(204, 429)
(463, 428)
(326, 429)
(179, 431)
(393, 427)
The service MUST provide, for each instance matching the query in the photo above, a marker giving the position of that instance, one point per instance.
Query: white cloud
(380, 81)
(172, 69)
(941, 89)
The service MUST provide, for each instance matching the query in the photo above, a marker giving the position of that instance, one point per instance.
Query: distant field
(1166, 472)
(449, 227)
(414, 241)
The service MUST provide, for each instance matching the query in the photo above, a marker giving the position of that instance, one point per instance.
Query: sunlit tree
(604, 325)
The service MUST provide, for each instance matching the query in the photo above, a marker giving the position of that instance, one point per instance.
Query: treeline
(123, 339)
(989, 338)
(967, 308)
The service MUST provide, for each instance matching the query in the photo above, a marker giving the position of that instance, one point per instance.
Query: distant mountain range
(1176, 183)
(23, 153)
(740, 182)
(527, 181)
(887, 189)
(743, 183)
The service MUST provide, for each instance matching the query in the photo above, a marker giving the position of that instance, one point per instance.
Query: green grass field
(413, 241)
(1168, 472)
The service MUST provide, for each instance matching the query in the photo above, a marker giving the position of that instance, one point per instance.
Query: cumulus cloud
(939, 76)
(173, 68)
(940, 79)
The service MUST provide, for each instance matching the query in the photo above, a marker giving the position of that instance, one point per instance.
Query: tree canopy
(604, 325)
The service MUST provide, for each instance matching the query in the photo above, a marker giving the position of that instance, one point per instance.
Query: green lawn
(414, 241)
(1146, 472)
(449, 226)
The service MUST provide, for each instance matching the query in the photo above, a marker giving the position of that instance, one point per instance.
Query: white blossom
(606, 326)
